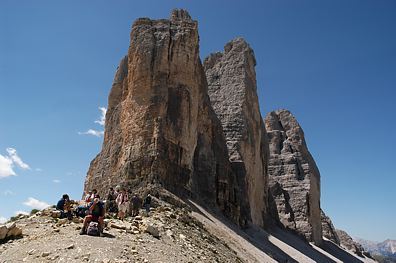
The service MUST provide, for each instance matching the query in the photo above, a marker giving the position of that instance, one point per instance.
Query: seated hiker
(64, 206)
(81, 211)
(111, 205)
(90, 196)
(96, 213)
(87, 197)
(123, 203)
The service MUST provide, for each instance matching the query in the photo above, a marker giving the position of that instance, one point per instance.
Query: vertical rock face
(233, 93)
(160, 127)
(293, 176)
(328, 230)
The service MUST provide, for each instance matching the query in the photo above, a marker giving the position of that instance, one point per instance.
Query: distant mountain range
(386, 248)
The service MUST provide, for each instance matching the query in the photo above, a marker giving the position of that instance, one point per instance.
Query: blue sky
(332, 63)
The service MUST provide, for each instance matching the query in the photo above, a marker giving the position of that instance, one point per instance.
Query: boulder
(3, 231)
(62, 221)
(10, 230)
(152, 230)
(117, 225)
(55, 213)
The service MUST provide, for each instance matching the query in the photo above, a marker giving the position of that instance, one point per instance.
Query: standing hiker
(122, 202)
(111, 205)
(147, 203)
(136, 203)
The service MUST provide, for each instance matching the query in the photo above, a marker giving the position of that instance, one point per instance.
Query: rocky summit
(227, 186)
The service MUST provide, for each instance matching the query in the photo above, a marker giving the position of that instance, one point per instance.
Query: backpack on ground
(93, 229)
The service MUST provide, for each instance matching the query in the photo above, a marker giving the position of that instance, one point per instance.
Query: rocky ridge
(169, 233)
(347, 242)
(386, 248)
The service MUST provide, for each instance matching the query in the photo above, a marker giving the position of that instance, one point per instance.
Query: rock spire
(232, 90)
(293, 176)
(161, 131)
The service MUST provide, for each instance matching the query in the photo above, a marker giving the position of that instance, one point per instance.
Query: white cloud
(56, 181)
(34, 203)
(16, 159)
(21, 212)
(8, 162)
(6, 167)
(101, 121)
(38, 170)
(92, 132)
(3, 220)
(102, 116)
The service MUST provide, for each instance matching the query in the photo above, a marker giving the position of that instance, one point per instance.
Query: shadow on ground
(279, 244)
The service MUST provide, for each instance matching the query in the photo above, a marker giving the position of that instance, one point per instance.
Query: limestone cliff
(160, 129)
(328, 229)
(233, 93)
(293, 176)
(347, 242)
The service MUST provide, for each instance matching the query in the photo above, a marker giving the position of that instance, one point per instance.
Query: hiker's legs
(121, 214)
(87, 220)
(101, 223)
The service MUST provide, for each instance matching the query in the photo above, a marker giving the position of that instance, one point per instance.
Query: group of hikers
(94, 209)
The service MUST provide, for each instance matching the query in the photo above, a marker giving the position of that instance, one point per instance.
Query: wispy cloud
(3, 220)
(21, 212)
(92, 132)
(38, 170)
(101, 121)
(56, 181)
(7, 163)
(8, 192)
(34, 203)
(16, 159)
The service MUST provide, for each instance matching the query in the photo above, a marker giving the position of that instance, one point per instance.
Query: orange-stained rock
(161, 130)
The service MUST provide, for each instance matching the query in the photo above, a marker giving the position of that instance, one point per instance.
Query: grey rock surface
(328, 229)
(233, 93)
(347, 242)
(294, 177)
(10, 230)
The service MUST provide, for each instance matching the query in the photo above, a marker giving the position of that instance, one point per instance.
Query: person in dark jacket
(64, 206)
(96, 213)
(136, 203)
(111, 205)
(147, 203)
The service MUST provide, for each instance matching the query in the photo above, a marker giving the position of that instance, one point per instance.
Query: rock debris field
(167, 235)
